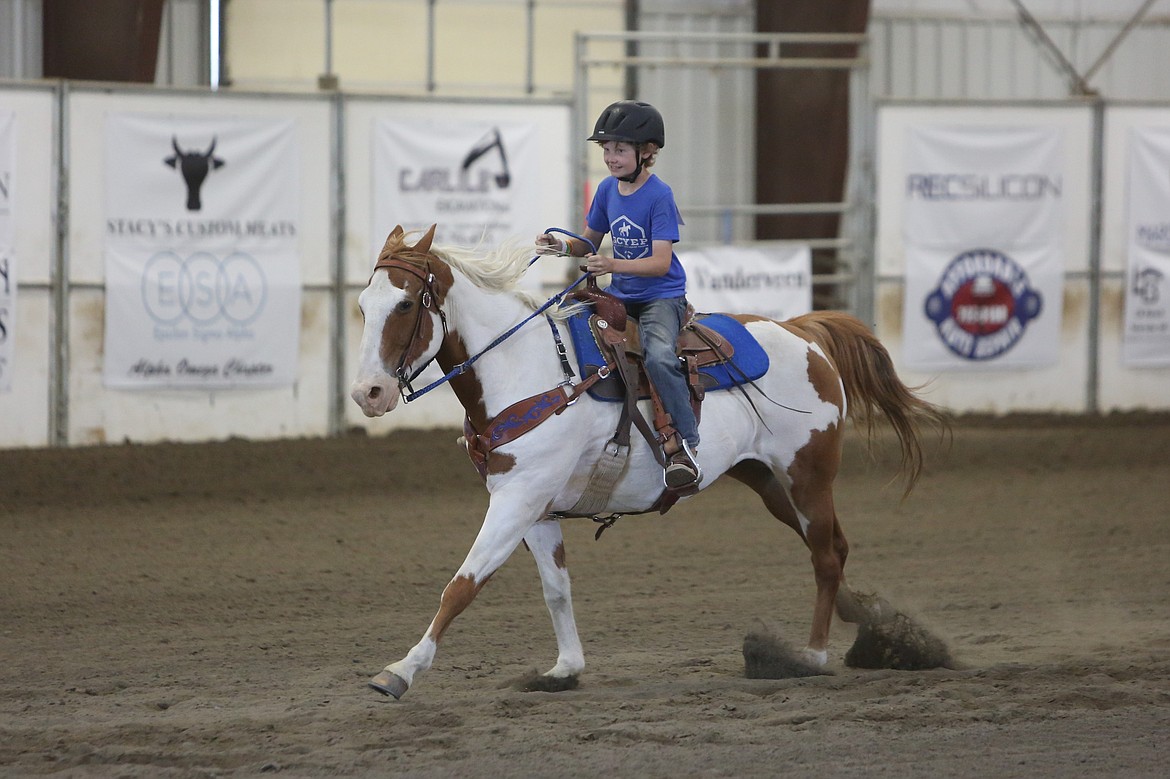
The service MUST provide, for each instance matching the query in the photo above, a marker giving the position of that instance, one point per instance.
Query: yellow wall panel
(481, 46)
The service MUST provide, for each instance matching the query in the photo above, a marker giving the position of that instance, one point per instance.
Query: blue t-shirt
(634, 222)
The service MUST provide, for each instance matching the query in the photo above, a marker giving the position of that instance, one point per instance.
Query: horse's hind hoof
(863, 608)
(390, 684)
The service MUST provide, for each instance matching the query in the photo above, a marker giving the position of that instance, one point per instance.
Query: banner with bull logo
(202, 256)
(984, 258)
(478, 181)
(773, 282)
(7, 253)
(1147, 293)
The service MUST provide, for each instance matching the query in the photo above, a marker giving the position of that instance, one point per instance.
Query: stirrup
(682, 470)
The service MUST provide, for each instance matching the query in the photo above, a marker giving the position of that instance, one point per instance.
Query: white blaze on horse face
(375, 389)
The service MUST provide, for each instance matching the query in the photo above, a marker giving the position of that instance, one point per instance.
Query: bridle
(428, 301)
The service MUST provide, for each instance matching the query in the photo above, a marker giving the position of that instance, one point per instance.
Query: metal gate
(715, 165)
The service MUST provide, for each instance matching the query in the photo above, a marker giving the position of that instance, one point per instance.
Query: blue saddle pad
(748, 362)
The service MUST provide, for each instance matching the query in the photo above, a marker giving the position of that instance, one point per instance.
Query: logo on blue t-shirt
(629, 239)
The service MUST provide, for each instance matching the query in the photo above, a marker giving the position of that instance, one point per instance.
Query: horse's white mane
(500, 270)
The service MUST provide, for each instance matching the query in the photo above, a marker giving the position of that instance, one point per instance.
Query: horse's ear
(393, 241)
(424, 244)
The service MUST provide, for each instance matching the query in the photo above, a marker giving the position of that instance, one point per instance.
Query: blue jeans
(660, 322)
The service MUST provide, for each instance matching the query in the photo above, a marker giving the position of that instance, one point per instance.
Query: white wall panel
(24, 412)
(1062, 387)
(438, 408)
(893, 123)
(95, 415)
(1122, 387)
(100, 415)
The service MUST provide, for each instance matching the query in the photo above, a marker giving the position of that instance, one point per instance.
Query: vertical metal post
(431, 45)
(328, 36)
(215, 38)
(18, 40)
(888, 86)
(964, 59)
(530, 59)
(336, 413)
(169, 15)
(580, 107)
(914, 45)
(631, 74)
(862, 193)
(59, 281)
(1096, 177)
(328, 79)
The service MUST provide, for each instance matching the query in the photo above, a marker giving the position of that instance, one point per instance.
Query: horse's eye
(404, 306)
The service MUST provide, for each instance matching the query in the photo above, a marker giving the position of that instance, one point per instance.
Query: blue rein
(554, 300)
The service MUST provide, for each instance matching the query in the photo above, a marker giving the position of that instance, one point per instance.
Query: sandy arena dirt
(216, 610)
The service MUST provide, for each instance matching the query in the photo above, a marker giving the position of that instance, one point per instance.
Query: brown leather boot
(682, 469)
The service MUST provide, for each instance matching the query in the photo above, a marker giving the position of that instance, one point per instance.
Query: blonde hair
(652, 157)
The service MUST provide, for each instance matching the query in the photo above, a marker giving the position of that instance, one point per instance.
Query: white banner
(479, 181)
(202, 258)
(7, 252)
(1147, 295)
(984, 258)
(772, 282)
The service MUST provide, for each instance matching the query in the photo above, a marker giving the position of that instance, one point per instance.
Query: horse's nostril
(375, 392)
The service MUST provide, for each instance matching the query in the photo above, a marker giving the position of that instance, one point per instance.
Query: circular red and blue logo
(982, 304)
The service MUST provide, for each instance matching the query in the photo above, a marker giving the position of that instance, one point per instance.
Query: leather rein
(526, 414)
(428, 301)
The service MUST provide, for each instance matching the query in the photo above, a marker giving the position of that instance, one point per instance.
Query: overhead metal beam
(1076, 82)
(1134, 21)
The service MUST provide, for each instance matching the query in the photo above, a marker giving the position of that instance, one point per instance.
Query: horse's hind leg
(828, 564)
(547, 545)
(809, 511)
(764, 483)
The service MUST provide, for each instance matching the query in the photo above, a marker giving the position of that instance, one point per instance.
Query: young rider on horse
(637, 208)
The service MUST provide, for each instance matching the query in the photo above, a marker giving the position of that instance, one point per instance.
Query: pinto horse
(781, 436)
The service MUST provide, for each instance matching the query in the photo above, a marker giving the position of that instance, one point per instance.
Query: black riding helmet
(631, 121)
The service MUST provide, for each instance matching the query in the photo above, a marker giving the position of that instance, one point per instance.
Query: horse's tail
(872, 386)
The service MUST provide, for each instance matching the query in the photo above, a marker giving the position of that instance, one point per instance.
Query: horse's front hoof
(390, 684)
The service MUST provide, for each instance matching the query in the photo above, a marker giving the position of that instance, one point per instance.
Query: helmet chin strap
(630, 179)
